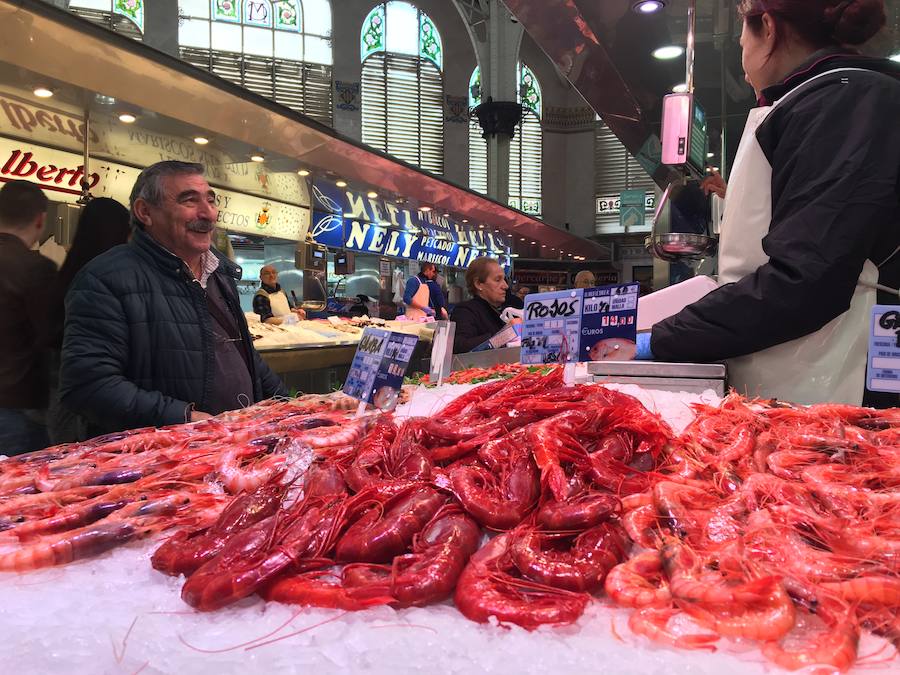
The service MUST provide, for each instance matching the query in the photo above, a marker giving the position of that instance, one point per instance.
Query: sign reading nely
(343, 218)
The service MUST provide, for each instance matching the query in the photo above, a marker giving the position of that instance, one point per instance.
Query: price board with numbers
(589, 324)
(883, 368)
(378, 367)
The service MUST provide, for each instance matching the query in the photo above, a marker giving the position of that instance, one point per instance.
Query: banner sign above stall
(62, 126)
(346, 219)
(883, 370)
(590, 324)
(378, 367)
(60, 174)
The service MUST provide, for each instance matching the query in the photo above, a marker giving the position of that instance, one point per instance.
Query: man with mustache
(154, 331)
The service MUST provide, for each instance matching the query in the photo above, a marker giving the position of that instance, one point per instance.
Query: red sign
(21, 165)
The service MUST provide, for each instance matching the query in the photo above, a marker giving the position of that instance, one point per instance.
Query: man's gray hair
(148, 185)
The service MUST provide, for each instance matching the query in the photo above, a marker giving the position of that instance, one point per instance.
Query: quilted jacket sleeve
(270, 383)
(95, 357)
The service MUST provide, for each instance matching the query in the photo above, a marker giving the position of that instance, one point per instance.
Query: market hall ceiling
(604, 48)
(82, 60)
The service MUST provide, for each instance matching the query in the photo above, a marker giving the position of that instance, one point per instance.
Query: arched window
(477, 144)
(402, 86)
(526, 149)
(280, 49)
(122, 16)
(615, 169)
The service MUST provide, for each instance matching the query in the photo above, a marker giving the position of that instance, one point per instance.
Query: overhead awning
(79, 61)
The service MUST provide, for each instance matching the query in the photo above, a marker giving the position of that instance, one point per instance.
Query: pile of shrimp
(508, 501)
(72, 502)
(772, 523)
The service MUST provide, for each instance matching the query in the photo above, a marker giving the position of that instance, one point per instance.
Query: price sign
(590, 324)
(378, 367)
(883, 371)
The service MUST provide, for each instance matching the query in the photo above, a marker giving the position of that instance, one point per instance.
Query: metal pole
(85, 183)
(689, 51)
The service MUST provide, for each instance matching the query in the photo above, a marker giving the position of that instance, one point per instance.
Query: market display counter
(314, 356)
(113, 613)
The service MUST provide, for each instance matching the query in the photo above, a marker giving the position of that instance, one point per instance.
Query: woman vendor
(478, 319)
(271, 303)
(812, 209)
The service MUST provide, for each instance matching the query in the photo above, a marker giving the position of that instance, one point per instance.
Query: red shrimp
(653, 623)
(639, 582)
(836, 645)
(682, 508)
(128, 524)
(320, 588)
(871, 589)
(500, 496)
(579, 512)
(488, 588)
(294, 540)
(322, 480)
(389, 454)
(186, 551)
(386, 529)
(573, 563)
(642, 526)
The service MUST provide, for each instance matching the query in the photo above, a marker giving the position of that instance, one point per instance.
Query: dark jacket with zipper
(138, 347)
(476, 322)
(834, 148)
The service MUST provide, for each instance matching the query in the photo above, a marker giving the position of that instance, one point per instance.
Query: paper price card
(590, 324)
(883, 372)
(378, 367)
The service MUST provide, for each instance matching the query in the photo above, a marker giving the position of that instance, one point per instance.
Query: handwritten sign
(590, 324)
(883, 372)
(376, 373)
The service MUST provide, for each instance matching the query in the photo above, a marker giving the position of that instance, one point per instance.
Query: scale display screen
(699, 140)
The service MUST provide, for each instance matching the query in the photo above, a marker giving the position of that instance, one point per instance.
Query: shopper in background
(585, 279)
(26, 278)
(102, 224)
(811, 212)
(271, 302)
(478, 319)
(521, 292)
(422, 295)
(154, 332)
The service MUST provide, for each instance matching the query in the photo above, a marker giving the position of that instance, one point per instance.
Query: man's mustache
(203, 226)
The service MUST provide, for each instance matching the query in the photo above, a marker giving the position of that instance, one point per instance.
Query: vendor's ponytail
(855, 21)
(819, 23)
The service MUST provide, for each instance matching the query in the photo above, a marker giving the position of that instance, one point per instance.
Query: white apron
(277, 301)
(828, 365)
(421, 298)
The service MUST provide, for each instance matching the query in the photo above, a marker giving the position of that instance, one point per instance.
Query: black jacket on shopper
(835, 155)
(138, 347)
(476, 322)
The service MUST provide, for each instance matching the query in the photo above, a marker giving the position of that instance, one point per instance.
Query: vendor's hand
(515, 321)
(197, 415)
(428, 311)
(714, 184)
(300, 312)
(274, 321)
(289, 319)
(444, 314)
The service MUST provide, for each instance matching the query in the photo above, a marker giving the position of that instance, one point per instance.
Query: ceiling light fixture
(648, 6)
(371, 194)
(303, 172)
(895, 57)
(710, 155)
(201, 140)
(127, 118)
(465, 220)
(668, 52)
(257, 157)
(43, 92)
(424, 209)
(446, 215)
(341, 183)
(680, 88)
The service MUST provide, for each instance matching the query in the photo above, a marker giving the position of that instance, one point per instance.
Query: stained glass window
(478, 177)
(402, 86)
(526, 148)
(412, 32)
(280, 49)
(122, 16)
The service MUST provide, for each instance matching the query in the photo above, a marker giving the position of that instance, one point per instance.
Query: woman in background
(478, 320)
(103, 224)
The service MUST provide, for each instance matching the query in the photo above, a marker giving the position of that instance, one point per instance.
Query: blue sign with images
(376, 373)
(590, 324)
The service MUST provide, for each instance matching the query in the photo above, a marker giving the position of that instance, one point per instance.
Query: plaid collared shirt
(209, 264)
